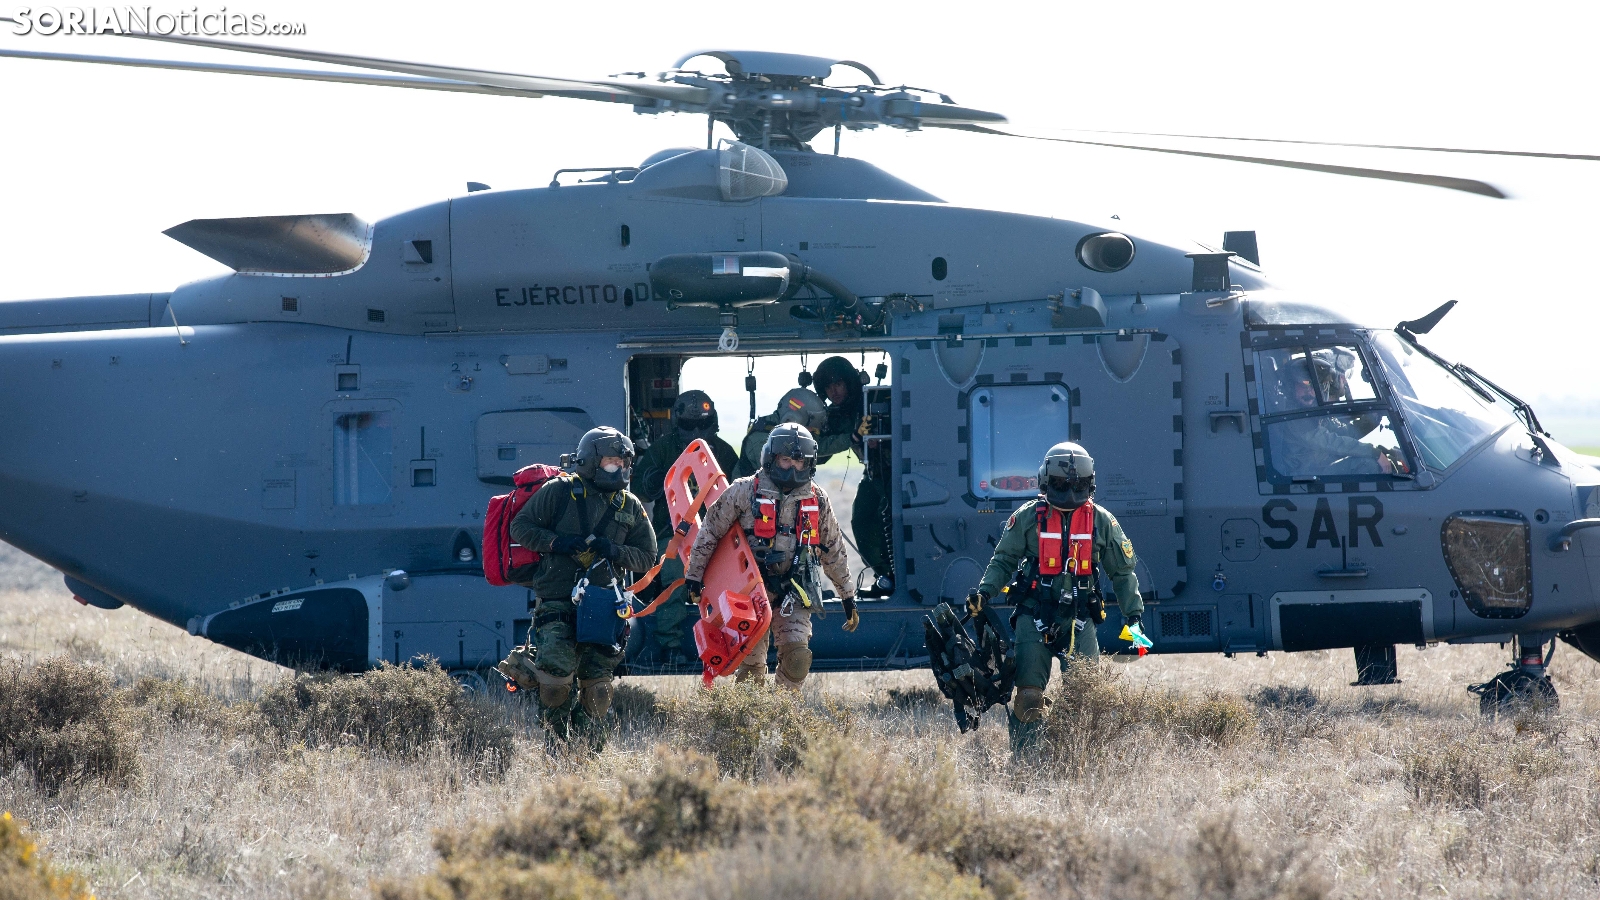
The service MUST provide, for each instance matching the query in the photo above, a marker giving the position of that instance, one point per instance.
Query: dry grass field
(176, 768)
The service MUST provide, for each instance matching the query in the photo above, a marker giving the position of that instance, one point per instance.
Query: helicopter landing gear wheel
(1527, 686)
(471, 681)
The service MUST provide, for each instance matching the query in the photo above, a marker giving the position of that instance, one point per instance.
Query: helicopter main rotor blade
(1215, 137)
(430, 84)
(607, 91)
(1468, 185)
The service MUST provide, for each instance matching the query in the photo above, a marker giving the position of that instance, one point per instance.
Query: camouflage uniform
(1113, 556)
(669, 628)
(792, 633)
(568, 506)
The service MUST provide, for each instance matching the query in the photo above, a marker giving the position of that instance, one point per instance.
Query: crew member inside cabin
(790, 527)
(799, 406)
(839, 384)
(694, 417)
(586, 525)
(1049, 560)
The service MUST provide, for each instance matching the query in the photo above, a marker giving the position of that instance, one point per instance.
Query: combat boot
(1025, 721)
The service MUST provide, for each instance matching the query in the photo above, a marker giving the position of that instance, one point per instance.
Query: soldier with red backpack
(591, 533)
(1048, 561)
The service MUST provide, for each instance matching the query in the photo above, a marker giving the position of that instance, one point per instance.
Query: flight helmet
(789, 439)
(836, 368)
(597, 444)
(695, 415)
(1066, 477)
(802, 407)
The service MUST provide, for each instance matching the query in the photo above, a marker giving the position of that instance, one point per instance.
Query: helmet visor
(1062, 484)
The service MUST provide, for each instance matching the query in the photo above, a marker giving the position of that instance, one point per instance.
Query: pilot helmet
(597, 444)
(802, 407)
(793, 440)
(1066, 477)
(694, 414)
(836, 369)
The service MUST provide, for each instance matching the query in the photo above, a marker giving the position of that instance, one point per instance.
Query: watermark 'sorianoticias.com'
(52, 20)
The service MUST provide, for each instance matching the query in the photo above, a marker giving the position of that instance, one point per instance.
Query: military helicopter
(418, 361)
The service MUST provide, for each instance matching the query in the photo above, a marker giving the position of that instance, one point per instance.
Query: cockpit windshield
(1446, 417)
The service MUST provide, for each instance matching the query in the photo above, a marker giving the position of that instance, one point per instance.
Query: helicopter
(418, 361)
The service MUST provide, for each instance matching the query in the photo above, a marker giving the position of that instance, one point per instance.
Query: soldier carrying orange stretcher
(789, 525)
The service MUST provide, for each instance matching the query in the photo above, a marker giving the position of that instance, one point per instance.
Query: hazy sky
(97, 161)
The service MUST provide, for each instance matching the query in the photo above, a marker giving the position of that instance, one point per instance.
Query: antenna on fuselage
(175, 326)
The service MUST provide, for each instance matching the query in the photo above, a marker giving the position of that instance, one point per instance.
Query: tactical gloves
(567, 544)
(851, 617)
(975, 602)
(604, 547)
(1134, 620)
(694, 587)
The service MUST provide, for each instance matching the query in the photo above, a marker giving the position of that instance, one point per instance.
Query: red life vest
(808, 523)
(766, 517)
(1079, 559)
(808, 520)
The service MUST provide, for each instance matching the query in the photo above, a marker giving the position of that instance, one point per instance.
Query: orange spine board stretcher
(734, 610)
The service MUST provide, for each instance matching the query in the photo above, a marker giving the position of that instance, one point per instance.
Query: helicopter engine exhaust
(1107, 251)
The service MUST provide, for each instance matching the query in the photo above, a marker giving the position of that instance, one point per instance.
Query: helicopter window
(1012, 427)
(1446, 417)
(363, 459)
(1280, 313)
(1288, 385)
(1309, 447)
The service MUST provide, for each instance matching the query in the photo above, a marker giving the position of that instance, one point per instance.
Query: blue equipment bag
(598, 622)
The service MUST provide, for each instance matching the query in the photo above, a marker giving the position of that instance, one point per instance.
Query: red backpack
(504, 560)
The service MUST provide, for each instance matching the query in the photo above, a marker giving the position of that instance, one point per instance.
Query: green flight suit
(537, 526)
(669, 634)
(1113, 555)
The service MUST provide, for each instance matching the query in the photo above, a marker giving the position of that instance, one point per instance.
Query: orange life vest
(1079, 558)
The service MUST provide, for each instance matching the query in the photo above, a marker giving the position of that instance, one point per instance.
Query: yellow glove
(865, 428)
(851, 617)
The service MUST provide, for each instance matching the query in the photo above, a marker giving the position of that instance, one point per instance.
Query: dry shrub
(838, 827)
(912, 699)
(921, 805)
(1283, 696)
(25, 874)
(1220, 865)
(399, 710)
(168, 702)
(636, 707)
(62, 720)
(750, 728)
(1472, 766)
(1094, 711)
(792, 867)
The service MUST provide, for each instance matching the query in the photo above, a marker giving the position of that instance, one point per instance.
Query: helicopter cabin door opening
(859, 461)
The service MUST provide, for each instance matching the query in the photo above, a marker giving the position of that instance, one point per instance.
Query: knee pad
(554, 690)
(1030, 704)
(594, 695)
(794, 664)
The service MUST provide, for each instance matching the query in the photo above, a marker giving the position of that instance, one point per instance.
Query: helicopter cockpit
(1332, 400)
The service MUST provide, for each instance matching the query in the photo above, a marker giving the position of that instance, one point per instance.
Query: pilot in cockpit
(1324, 445)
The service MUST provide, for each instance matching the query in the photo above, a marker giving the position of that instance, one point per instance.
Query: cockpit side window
(1302, 378)
(1323, 418)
